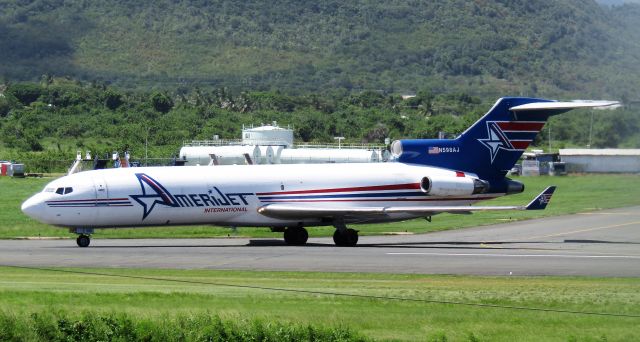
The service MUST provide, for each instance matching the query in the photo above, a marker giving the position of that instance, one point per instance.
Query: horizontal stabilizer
(562, 105)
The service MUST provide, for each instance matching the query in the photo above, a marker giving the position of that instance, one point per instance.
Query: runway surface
(600, 243)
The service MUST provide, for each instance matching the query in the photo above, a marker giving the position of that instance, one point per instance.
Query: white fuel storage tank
(225, 155)
(325, 155)
(269, 135)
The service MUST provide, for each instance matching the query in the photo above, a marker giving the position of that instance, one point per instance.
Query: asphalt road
(601, 243)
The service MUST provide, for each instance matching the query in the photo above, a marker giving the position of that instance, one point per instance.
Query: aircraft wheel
(338, 238)
(348, 238)
(83, 240)
(296, 236)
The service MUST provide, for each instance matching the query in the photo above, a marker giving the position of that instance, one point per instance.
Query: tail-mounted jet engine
(453, 186)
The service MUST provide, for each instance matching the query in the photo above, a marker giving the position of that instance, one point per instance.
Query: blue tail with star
(491, 146)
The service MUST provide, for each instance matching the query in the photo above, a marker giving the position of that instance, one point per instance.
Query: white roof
(599, 152)
(266, 128)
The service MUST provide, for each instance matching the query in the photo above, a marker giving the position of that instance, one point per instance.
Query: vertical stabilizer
(492, 145)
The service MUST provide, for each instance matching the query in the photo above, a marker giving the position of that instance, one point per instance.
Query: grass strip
(427, 309)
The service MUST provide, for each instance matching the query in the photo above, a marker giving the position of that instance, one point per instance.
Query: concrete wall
(602, 163)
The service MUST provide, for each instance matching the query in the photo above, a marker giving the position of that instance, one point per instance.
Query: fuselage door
(102, 196)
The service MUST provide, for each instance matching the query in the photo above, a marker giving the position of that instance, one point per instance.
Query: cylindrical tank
(322, 155)
(267, 136)
(17, 170)
(266, 155)
(384, 155)
(225, 155)
(277, 152)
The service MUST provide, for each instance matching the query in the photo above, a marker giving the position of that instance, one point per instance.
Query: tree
(161, 102)
(25, 93)
(113, 99)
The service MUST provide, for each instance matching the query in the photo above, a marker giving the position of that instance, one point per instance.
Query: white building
(609, 160)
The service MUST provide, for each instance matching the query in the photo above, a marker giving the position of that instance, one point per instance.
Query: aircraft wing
(299, 211)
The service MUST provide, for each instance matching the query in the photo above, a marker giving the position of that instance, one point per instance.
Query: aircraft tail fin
(494, 143)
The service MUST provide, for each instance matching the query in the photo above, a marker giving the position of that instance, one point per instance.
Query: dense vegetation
(53, 118)
(485, 48)
(96, 326)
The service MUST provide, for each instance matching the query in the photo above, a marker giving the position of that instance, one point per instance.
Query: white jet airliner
(430, 176)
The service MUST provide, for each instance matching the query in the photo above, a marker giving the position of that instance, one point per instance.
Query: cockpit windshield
(60, 191)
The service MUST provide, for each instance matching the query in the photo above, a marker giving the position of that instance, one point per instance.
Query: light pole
(590, 130)
(549, 137)
(146, 147)
(339, 141)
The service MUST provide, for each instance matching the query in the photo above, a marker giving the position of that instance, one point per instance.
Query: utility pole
(590, 130)
(146, 148)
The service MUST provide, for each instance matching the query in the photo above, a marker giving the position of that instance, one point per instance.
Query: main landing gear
(296, 236)
(343, 236)
(84, 236)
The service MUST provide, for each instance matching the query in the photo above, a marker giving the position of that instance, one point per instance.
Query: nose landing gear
(83, 240)
(84, 236)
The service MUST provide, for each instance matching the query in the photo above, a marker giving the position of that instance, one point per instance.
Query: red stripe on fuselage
(407, 186)
(521, 126)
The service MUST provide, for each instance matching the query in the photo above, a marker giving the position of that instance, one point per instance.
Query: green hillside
(488, 47)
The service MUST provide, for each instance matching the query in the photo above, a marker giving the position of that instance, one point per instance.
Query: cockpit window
(63, 191)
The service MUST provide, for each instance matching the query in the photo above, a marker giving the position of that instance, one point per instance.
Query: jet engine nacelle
(453, 186)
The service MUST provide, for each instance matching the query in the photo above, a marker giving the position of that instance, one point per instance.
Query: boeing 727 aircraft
(431, 176)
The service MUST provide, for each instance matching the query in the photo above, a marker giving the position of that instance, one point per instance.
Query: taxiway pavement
(600, 243)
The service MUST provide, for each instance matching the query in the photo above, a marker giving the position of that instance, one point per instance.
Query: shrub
(97, 326)
(25, 93)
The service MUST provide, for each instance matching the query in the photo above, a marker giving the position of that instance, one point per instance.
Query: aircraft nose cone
(33, 208)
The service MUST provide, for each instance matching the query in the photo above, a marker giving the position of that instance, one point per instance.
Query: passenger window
(68, 190)
(60, 191)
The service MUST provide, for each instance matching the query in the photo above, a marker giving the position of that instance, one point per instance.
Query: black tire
(297, 236)
(348, 238)
(351, 237)
(338, 238)
(83, 241)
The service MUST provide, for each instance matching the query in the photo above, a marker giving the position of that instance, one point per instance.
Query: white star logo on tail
(496, 140)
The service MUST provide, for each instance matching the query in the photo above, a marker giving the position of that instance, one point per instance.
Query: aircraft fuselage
(231, 195)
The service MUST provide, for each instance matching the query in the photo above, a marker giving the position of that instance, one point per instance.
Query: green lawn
(24, 291)
(574, 194)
